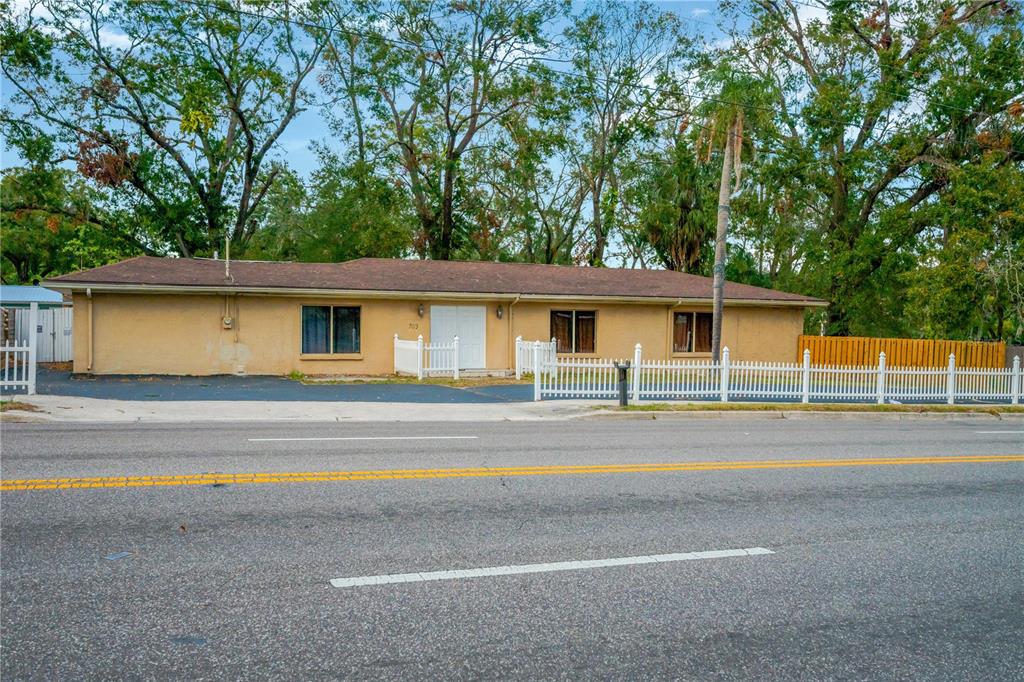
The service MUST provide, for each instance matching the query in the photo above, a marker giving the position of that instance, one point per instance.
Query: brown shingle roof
(379, 274)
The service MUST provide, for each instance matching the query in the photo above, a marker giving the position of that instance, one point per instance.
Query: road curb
(804, 415)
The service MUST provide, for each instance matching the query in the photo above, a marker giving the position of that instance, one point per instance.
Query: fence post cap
(396, 337)
(952, 356)
(420, 337)
(881, 354)
(638, 346)
(807, 351)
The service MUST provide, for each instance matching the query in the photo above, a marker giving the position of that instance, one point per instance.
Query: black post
(623, 383)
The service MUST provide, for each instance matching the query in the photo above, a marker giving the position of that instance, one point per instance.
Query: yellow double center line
(481, 472)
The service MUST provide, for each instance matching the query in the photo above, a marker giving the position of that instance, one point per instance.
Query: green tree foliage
(437, 78)
(627, 59)
(677, 206)
(345, 213)
(51, 225)
(878, 146)
(877, 104)
(176, 107)
(970, 283)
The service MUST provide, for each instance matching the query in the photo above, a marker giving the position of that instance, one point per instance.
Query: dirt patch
(8, 405)
(57, 366)
(471, 382)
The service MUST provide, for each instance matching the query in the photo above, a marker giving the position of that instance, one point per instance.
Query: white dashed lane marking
(546, 568)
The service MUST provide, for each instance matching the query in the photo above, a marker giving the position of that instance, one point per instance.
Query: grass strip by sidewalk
(815, 407)
(6, 405)
(469, 382)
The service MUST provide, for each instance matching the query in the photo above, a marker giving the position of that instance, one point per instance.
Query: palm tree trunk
(722, 229)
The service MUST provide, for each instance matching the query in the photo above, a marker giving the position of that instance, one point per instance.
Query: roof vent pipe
(227, 256)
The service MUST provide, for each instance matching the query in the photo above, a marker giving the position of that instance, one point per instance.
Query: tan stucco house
(198, 316)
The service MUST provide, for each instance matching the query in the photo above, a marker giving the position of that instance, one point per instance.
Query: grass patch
(6, 405)
(469, 382)
(814, 407)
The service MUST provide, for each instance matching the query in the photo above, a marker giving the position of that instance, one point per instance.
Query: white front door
(469, 323)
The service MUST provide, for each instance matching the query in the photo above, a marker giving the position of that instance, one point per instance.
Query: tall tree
(877, 104)
(728, 118)
(675, 203)
(442, 75)
(626, 60)
(177, 106)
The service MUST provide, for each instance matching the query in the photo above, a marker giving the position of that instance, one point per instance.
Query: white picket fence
(524, 355)
(727, 380)
(577, 378)
(427, 359)
(442, 358)
(18, 360)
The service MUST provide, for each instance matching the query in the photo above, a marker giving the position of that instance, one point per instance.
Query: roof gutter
(405, 295)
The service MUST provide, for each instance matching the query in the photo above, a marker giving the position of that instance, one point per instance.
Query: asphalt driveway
(119, 387)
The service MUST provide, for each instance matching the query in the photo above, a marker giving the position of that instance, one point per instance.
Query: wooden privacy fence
(864, 350)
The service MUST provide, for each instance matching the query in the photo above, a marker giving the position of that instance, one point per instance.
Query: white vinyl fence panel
(842, 383)
(409, 357)
(524, 355)
(15, 361)
(579, 378)
(662, 380)
(18, 360)
(54, 333)
(987, 385)
(442, 358)
(561, 377)
(430, 359)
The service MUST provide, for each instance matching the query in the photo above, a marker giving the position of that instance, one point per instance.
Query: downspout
(511, 345)
(88, 296)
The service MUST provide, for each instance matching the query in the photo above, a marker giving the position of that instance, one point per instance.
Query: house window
(330, 329)
(574, 331)
(691, 333)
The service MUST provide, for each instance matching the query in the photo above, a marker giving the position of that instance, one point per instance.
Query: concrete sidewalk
(83, 410)
(78, 409)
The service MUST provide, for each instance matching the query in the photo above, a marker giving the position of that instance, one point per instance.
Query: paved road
(897, 571)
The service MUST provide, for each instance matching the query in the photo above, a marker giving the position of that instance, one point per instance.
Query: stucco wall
(750, 333)
(183, 334)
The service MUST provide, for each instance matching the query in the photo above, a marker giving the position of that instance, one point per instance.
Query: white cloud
(700, 11)
(114, 39)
